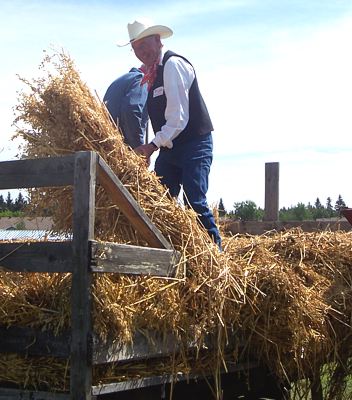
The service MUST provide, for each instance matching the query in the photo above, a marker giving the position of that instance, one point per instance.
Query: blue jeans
(188, 164)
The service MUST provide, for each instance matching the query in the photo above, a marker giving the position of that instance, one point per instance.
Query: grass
(9, 214)
(301, 389)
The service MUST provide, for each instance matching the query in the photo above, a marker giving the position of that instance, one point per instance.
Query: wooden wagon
(81, 257)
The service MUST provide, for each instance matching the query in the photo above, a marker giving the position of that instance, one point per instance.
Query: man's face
(147, 49)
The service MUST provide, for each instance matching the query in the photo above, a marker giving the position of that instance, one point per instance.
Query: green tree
(221, 209)
(247, 211)
(2, 203)
(300, 212)
(20, 203)
(318, 210)
(330, 212)
(9, 202)
(339, 204)
(317, 203)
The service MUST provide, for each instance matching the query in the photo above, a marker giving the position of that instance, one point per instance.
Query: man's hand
(146, 150)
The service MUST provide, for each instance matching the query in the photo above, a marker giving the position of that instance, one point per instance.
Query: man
(125, 100)
(180, 121)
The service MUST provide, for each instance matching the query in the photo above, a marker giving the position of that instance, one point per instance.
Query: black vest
(199, 121)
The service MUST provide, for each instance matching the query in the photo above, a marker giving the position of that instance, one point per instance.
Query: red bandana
(149, 74)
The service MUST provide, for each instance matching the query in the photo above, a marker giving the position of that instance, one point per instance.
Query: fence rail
(80, 257)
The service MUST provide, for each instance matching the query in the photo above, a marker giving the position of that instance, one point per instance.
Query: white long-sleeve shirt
(178, 78)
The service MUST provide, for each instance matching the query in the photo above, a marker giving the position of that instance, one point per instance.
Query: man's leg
(169, 173)
(196, 167)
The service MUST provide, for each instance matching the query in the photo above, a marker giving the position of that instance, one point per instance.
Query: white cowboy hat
(141, 29)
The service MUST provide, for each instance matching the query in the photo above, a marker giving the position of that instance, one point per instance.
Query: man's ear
(158, 41)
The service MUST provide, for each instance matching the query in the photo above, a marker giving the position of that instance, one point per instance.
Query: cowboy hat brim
(161, 30)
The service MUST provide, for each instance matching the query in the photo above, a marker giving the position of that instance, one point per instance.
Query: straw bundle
(64, 117)
(305, 285)
(288, 295)
(296, 318)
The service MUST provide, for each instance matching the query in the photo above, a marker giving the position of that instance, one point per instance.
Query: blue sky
(276, 76)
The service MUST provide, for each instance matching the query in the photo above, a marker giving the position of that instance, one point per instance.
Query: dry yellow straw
(288, 295)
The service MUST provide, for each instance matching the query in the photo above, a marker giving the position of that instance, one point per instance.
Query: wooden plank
(126, 259)
(152, 345)
(16, 394)
(271, 207)
(36, 256)
(143, 347)
(130, 385)
(161, 379)
(81, 292)
(33, 342)
(347, 213)
(130, 208)
(39, 172)
(316, 387)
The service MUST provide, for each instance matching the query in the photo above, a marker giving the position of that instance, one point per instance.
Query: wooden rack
(81, 257)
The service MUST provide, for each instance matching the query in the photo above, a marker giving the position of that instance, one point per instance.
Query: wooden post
(129, 207)
(316, 389)
(81, 296)
(271, 212)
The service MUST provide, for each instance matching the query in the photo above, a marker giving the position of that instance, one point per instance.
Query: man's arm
(178, 78)
(133, 120)
(113, 98)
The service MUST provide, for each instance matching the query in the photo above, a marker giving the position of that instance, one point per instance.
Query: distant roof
(37, 223)
(16, 234)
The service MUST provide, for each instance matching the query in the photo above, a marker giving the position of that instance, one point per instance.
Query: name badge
(158, 91)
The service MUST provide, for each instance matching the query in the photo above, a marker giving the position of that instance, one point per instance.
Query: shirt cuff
(162, 143)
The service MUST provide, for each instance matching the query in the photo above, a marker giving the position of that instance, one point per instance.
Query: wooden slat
(36, 256)
(316, 387)
(347, 213)
(130, 385)
(15, 394)
(41, 172)
(130, 208)
(126, 259)
(151, 345)
(161, 379)
(81, 292)
(33, 342)
(143, 347)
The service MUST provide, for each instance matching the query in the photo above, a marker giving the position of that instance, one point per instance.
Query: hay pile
(61, 116)
(288, 295)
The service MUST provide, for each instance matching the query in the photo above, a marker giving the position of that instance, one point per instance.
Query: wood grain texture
(130, 208)
(136, 260)
(41, 172)
(36, 256)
